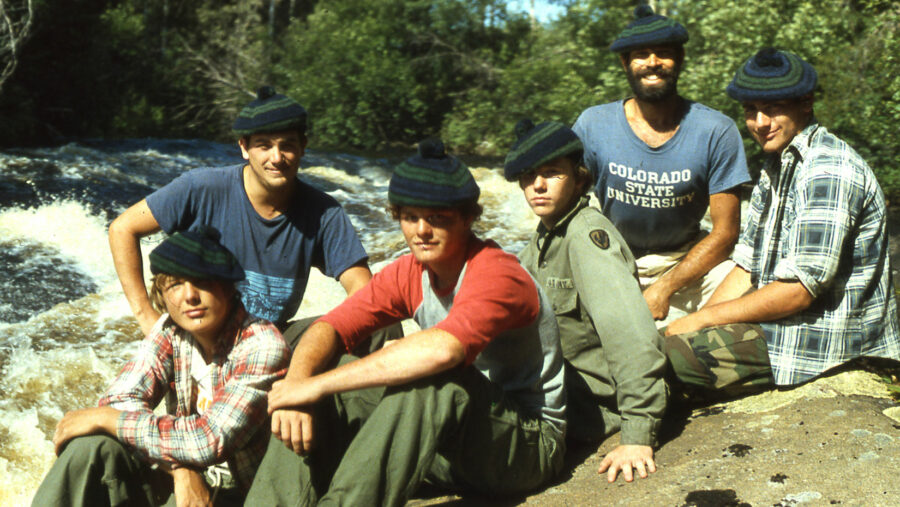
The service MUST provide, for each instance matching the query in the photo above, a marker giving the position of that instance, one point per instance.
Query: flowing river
(65, 327)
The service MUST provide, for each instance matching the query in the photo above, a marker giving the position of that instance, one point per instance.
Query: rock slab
(829, 442)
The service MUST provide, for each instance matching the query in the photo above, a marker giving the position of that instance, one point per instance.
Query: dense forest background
(379, 75)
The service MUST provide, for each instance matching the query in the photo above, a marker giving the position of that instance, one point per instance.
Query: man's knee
(444, 397)
(88, 448)
(295, 330)
(720, 357)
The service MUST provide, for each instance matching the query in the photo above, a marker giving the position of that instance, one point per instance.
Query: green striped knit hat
(196, 253)
(537, 145)
(772, 75)
(432, 179)
(649, 29)
(270, 112)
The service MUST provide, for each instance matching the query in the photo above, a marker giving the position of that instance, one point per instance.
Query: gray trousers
(375, 447)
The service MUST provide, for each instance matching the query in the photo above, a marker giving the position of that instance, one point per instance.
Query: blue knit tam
(196, 253)
(649, 29)
(270, 112)
(772, 75)
(537, 145)
(432, 179)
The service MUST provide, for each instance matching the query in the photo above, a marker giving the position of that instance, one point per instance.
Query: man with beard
(659, 160)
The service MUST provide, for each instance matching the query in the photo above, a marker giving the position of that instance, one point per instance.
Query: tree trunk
(15, 26)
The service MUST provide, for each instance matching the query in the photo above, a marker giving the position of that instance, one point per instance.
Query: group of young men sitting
(571, 341)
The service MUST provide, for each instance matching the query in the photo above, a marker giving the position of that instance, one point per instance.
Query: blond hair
(157, 285)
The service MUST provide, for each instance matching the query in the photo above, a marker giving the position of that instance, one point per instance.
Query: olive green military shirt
(606, 329)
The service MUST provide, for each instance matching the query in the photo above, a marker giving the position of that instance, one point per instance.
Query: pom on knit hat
(772, 75)
(196, 253)
(649, 29)
(432, 179)
(537, 145)
(270, 112)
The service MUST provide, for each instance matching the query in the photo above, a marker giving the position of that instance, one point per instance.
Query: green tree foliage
(861, 91)
(380, 72)
(91, 68)
(376, 74)
(557, 71)
(347, 64)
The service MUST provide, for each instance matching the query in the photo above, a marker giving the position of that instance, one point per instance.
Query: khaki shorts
(652, 267)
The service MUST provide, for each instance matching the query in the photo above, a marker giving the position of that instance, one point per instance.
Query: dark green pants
(719, 362)
(456, 430)
(98, 470)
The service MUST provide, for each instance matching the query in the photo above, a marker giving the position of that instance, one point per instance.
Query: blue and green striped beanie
(772, 75)
(537, 145)
(196, 253)
(270, 112)
(432, 179)
(649, 29)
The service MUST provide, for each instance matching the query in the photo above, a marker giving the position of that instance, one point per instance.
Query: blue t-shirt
(656, 197)
(276, 254)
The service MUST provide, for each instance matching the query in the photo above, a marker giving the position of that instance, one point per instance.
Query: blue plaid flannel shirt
(817, 216)
(251, 356)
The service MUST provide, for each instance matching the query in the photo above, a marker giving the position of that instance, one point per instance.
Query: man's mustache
(658, 71)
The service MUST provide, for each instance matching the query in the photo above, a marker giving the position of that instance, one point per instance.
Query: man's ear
(624, 61)
(808, 102)
(244, 142)
(304, 141)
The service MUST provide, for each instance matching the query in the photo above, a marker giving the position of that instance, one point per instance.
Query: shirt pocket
(575, 335)
(562, 295)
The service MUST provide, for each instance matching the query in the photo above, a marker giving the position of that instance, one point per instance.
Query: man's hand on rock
(628, 458)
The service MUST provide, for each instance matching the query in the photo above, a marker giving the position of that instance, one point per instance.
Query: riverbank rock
(834, 441)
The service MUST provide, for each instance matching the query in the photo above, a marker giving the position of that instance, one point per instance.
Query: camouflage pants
(719, 362)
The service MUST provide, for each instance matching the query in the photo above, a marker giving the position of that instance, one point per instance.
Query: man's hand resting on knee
(294, 428)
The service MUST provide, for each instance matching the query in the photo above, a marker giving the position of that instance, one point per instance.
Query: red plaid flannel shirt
(251, 356)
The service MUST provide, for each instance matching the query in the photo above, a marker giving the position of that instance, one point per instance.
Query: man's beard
(661, 93)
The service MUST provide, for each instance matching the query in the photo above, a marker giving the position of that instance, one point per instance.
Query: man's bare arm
(735, 285)
(125, 233)
(725, 211)
(416, 356)
(772, 302)
(317, 346)
(355, 278)
(294, 425)
(190, 488)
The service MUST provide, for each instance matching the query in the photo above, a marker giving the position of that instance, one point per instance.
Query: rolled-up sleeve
(823, 215)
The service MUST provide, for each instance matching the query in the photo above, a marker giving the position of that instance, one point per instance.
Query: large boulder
(833, 441)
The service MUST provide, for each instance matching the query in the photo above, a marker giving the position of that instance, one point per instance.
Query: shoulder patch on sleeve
(600, 238)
